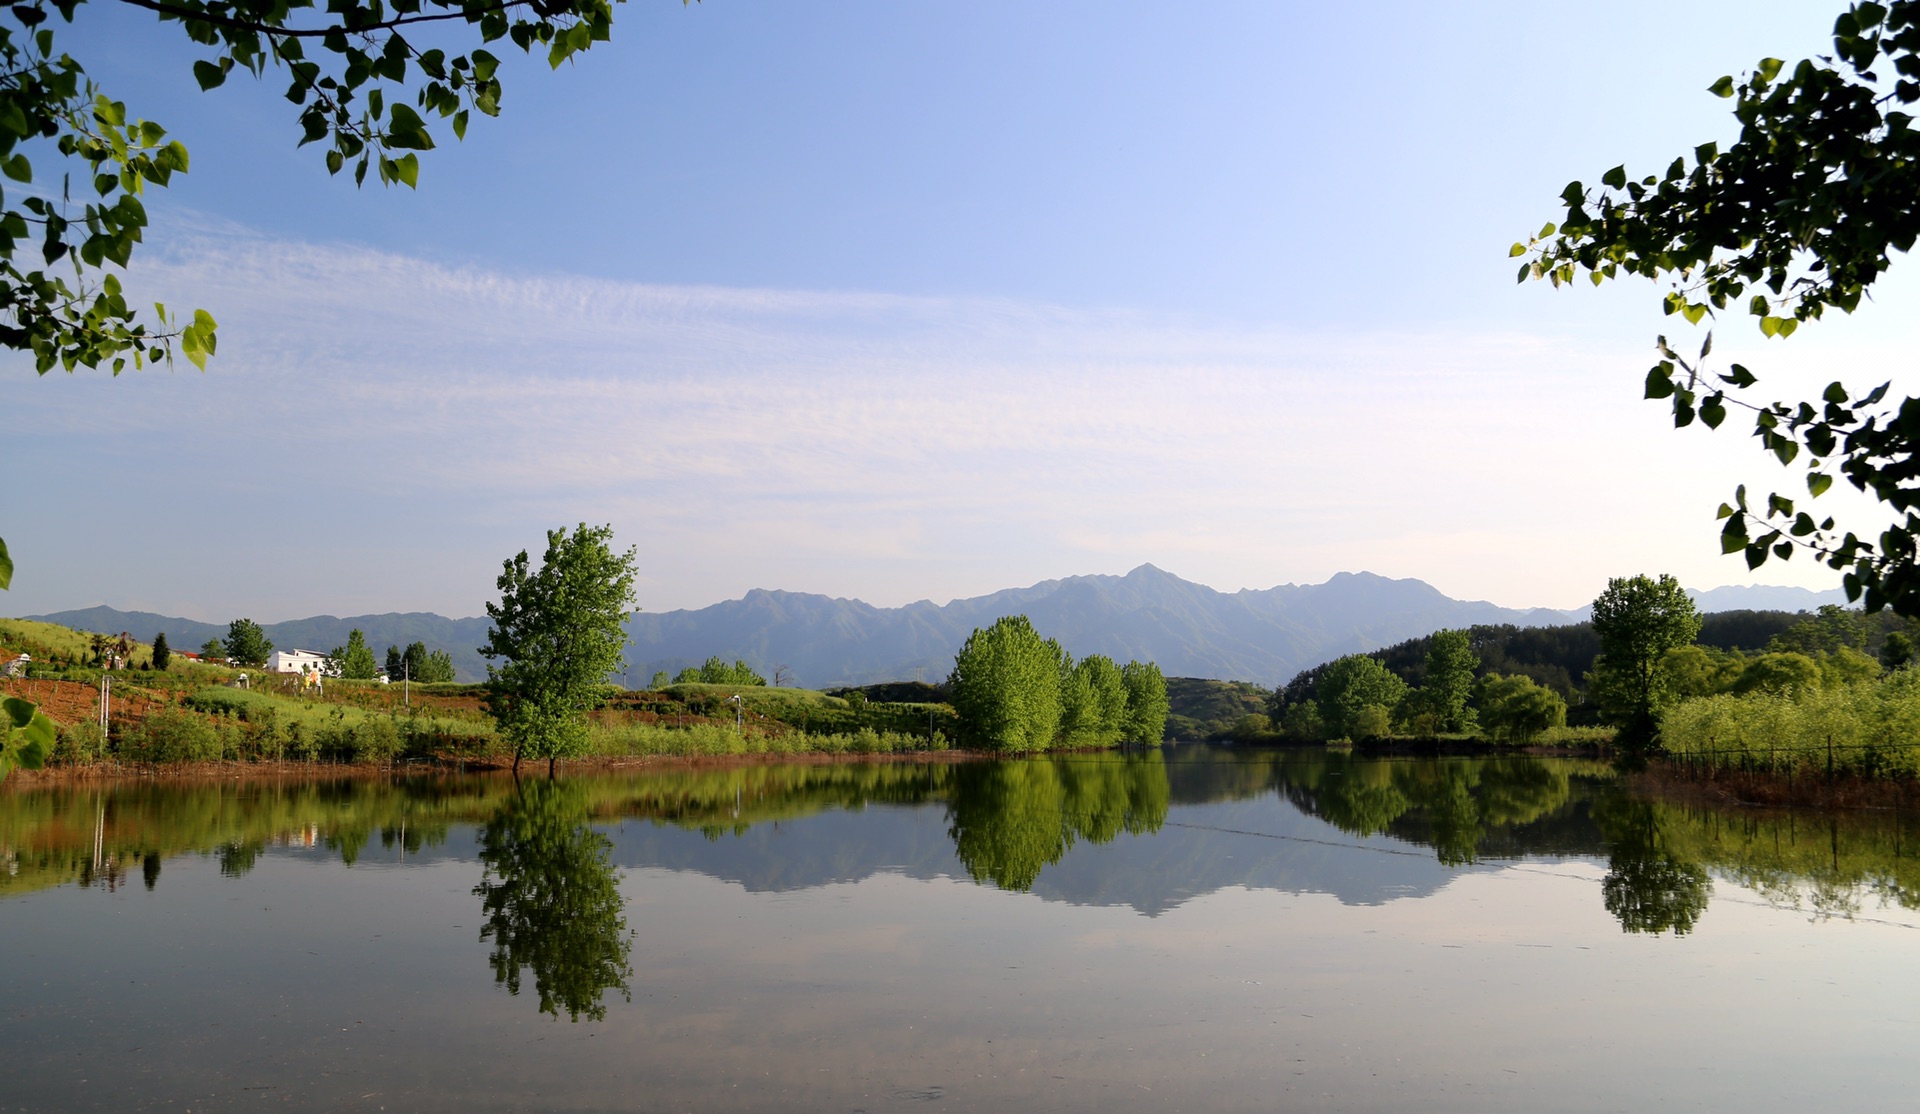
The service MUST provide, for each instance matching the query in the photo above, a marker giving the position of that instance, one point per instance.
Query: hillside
(1263, 636)
(458, 637)
(1191, 630)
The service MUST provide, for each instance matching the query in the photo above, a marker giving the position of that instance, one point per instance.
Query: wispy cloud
(402, 425)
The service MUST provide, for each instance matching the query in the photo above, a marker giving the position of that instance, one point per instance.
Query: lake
(1197, 928)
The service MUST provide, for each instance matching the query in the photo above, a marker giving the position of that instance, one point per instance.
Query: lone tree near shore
(560, 630)
(1638, 620)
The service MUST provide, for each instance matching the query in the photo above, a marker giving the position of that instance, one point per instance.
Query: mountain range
(1260, 635)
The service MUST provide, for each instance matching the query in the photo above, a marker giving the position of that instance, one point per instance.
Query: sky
(902, 301)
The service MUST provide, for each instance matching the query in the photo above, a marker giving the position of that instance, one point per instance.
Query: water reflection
(1009, 819)
(1648, 887)
(552, 900)
(1149, 830)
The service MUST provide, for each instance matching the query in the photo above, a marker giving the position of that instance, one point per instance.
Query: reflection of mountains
(1197, 851)
(1147, 830)
(1065, 828)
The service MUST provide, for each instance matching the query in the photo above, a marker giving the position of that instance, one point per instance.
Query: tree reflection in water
(1648, 887)
(552, 901)
(1009, 819)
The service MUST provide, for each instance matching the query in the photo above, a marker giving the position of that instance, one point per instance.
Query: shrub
(172, 735)
(79, 744)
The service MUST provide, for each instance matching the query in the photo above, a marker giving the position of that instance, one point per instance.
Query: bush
(172, 735)
(79, 744)
(1872, 730)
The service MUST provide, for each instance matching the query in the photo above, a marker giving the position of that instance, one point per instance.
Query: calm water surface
(1194, 929)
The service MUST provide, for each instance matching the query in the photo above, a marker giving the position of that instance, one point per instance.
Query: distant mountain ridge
(1260, 635)
(1191, 630)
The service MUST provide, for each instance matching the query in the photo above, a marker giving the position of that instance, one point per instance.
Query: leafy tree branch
(1804, 212)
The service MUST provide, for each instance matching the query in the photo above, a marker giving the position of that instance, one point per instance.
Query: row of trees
(714, 671)
(1642, 652)
(1015, 691)
(1359, 697)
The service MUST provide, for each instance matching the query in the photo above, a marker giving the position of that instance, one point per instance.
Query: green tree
(417, 663)
(1638, 620)
(370, 82)
(162, 655)
(661, 680)
(1697, 670)
(354, 661)
(1515, 709)
(213, 650)
(246, 643)
(1147, 703)
(1823, 632)
(437, 668)
(552, 901)
(1801, 214)
(1349, 685)
(558, 630)
(1006, 687)
(1449, 680)
(1897, 651)
(1093, 703)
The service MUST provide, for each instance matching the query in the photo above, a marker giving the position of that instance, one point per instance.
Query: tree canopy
(370, 82)
(355, 660)
(1801, 214)
(560, 630)
(246, 643)
(1006, 686)
(1638, 619)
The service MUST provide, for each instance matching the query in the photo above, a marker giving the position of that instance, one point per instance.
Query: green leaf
(1818, 483)
(18, 168)
(1660, 380)
(19, 712)
(406, 131)
(1615, 178)
(1713, 412)
(34, 743)
(1518, 249)
(1722, 87)
(1770, 68)
(6, 566)
(407, 169)
(208, 75)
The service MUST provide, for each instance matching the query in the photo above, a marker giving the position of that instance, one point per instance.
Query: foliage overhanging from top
(366, 84)
(1803, 212)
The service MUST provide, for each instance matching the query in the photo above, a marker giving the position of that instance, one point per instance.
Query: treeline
(1015, 691)
(714, 671)
(1521, 681)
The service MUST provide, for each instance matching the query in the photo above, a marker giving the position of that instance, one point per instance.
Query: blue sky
(921, 300)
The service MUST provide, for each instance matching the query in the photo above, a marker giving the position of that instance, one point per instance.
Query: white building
(297, 661)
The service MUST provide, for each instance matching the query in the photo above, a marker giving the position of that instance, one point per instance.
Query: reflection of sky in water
(845, 960)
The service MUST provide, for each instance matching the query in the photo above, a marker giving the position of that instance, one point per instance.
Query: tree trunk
(550, 761)
(516, 763)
